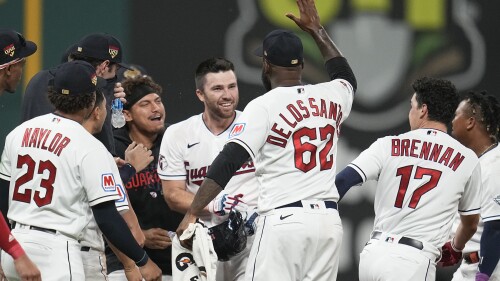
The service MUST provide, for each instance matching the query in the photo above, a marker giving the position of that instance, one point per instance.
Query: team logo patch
(162, 162)
(56, 120)
(113, 51)
(9, 50)
(497, 199)
(238, 128)
(122, 193)
(108, 182)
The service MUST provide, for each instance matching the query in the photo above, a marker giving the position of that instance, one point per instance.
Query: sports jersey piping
(490, 217)
(471, 210)
(359, 169)
(244, 144)
(103, 197)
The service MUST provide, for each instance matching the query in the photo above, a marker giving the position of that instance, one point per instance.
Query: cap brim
(101, 83)
(259, 52)
(28, 50)
(124, 66)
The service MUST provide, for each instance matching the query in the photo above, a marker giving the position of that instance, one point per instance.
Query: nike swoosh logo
(193, 144)
(284, 217)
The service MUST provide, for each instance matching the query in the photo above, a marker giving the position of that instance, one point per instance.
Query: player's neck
(427, 124)
(480, 143)
(216, 124)
(78, 117)
(285, 77)
(141, 137)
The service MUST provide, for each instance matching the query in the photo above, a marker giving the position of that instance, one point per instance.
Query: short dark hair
(211, 65)
(137, 87)
(72, 103)
(486, 109)
(440, 96)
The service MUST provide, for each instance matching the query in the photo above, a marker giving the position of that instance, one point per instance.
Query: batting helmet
(229, 238)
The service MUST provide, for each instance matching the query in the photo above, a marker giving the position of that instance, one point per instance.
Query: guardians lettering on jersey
(146, 179)
(197, 175)
(39, 138)
(428, 151)
(298, 111)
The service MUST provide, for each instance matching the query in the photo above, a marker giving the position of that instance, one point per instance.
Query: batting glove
(449, 254)
(250, 224)
(224, 203)
(482, 276)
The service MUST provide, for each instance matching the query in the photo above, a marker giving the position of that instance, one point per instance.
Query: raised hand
(309, 18)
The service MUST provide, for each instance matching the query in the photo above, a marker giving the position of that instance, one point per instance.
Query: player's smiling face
(220, 94)
(147, 115)
(461, 121)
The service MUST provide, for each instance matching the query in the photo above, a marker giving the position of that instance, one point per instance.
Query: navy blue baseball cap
(13, 47)
(76, 77)
(282, 48)
(101, 46)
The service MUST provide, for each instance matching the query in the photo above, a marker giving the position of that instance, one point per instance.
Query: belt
(85, 249)
(32, 227)
(298, 204)
(471, 258)
(404, 240)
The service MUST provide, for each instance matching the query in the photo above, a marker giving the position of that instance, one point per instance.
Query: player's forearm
(12, 247)
(126, 261)
(490, 247)
(325, 44)
(132, 222)
(465, 230)
(180, 200)
(207, 192)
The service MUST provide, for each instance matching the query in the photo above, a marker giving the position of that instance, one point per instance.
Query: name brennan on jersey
(299, 111)
(39, 137)
(197, 175)
(428, 151)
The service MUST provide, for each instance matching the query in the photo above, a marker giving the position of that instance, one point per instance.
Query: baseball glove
(229, 238)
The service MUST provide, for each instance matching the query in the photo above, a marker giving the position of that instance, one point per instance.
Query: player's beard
(266, 81)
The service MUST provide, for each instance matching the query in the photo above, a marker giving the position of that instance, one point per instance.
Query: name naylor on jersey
(438, 153)
(197, 175)
(44, 139)
(108, 182)
(300, 110)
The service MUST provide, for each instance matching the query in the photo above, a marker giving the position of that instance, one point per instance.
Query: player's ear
(423, 111)
(127, 115)
(200, 95)
(471, 123)
(101, 68)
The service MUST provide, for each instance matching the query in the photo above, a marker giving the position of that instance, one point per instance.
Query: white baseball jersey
(423, 177)
(92, 235)
(57, 170)
(188, 149)
(292, 133)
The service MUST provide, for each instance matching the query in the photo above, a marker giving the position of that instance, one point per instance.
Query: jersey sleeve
(345, 95)
(251, 129)
(370, 162)
(470, 202)
(100, 176)
(490, 193)
(171, 159)
(5, 163)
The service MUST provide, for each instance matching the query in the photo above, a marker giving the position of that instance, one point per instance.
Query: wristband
(143, 260)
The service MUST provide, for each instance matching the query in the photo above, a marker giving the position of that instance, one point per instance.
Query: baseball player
(291, 133)
(15, 49)
(423, 177)
(105, 53)
(189, 147)
(59, 176)
(145, 116)
(92, 242)
(476, 125)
